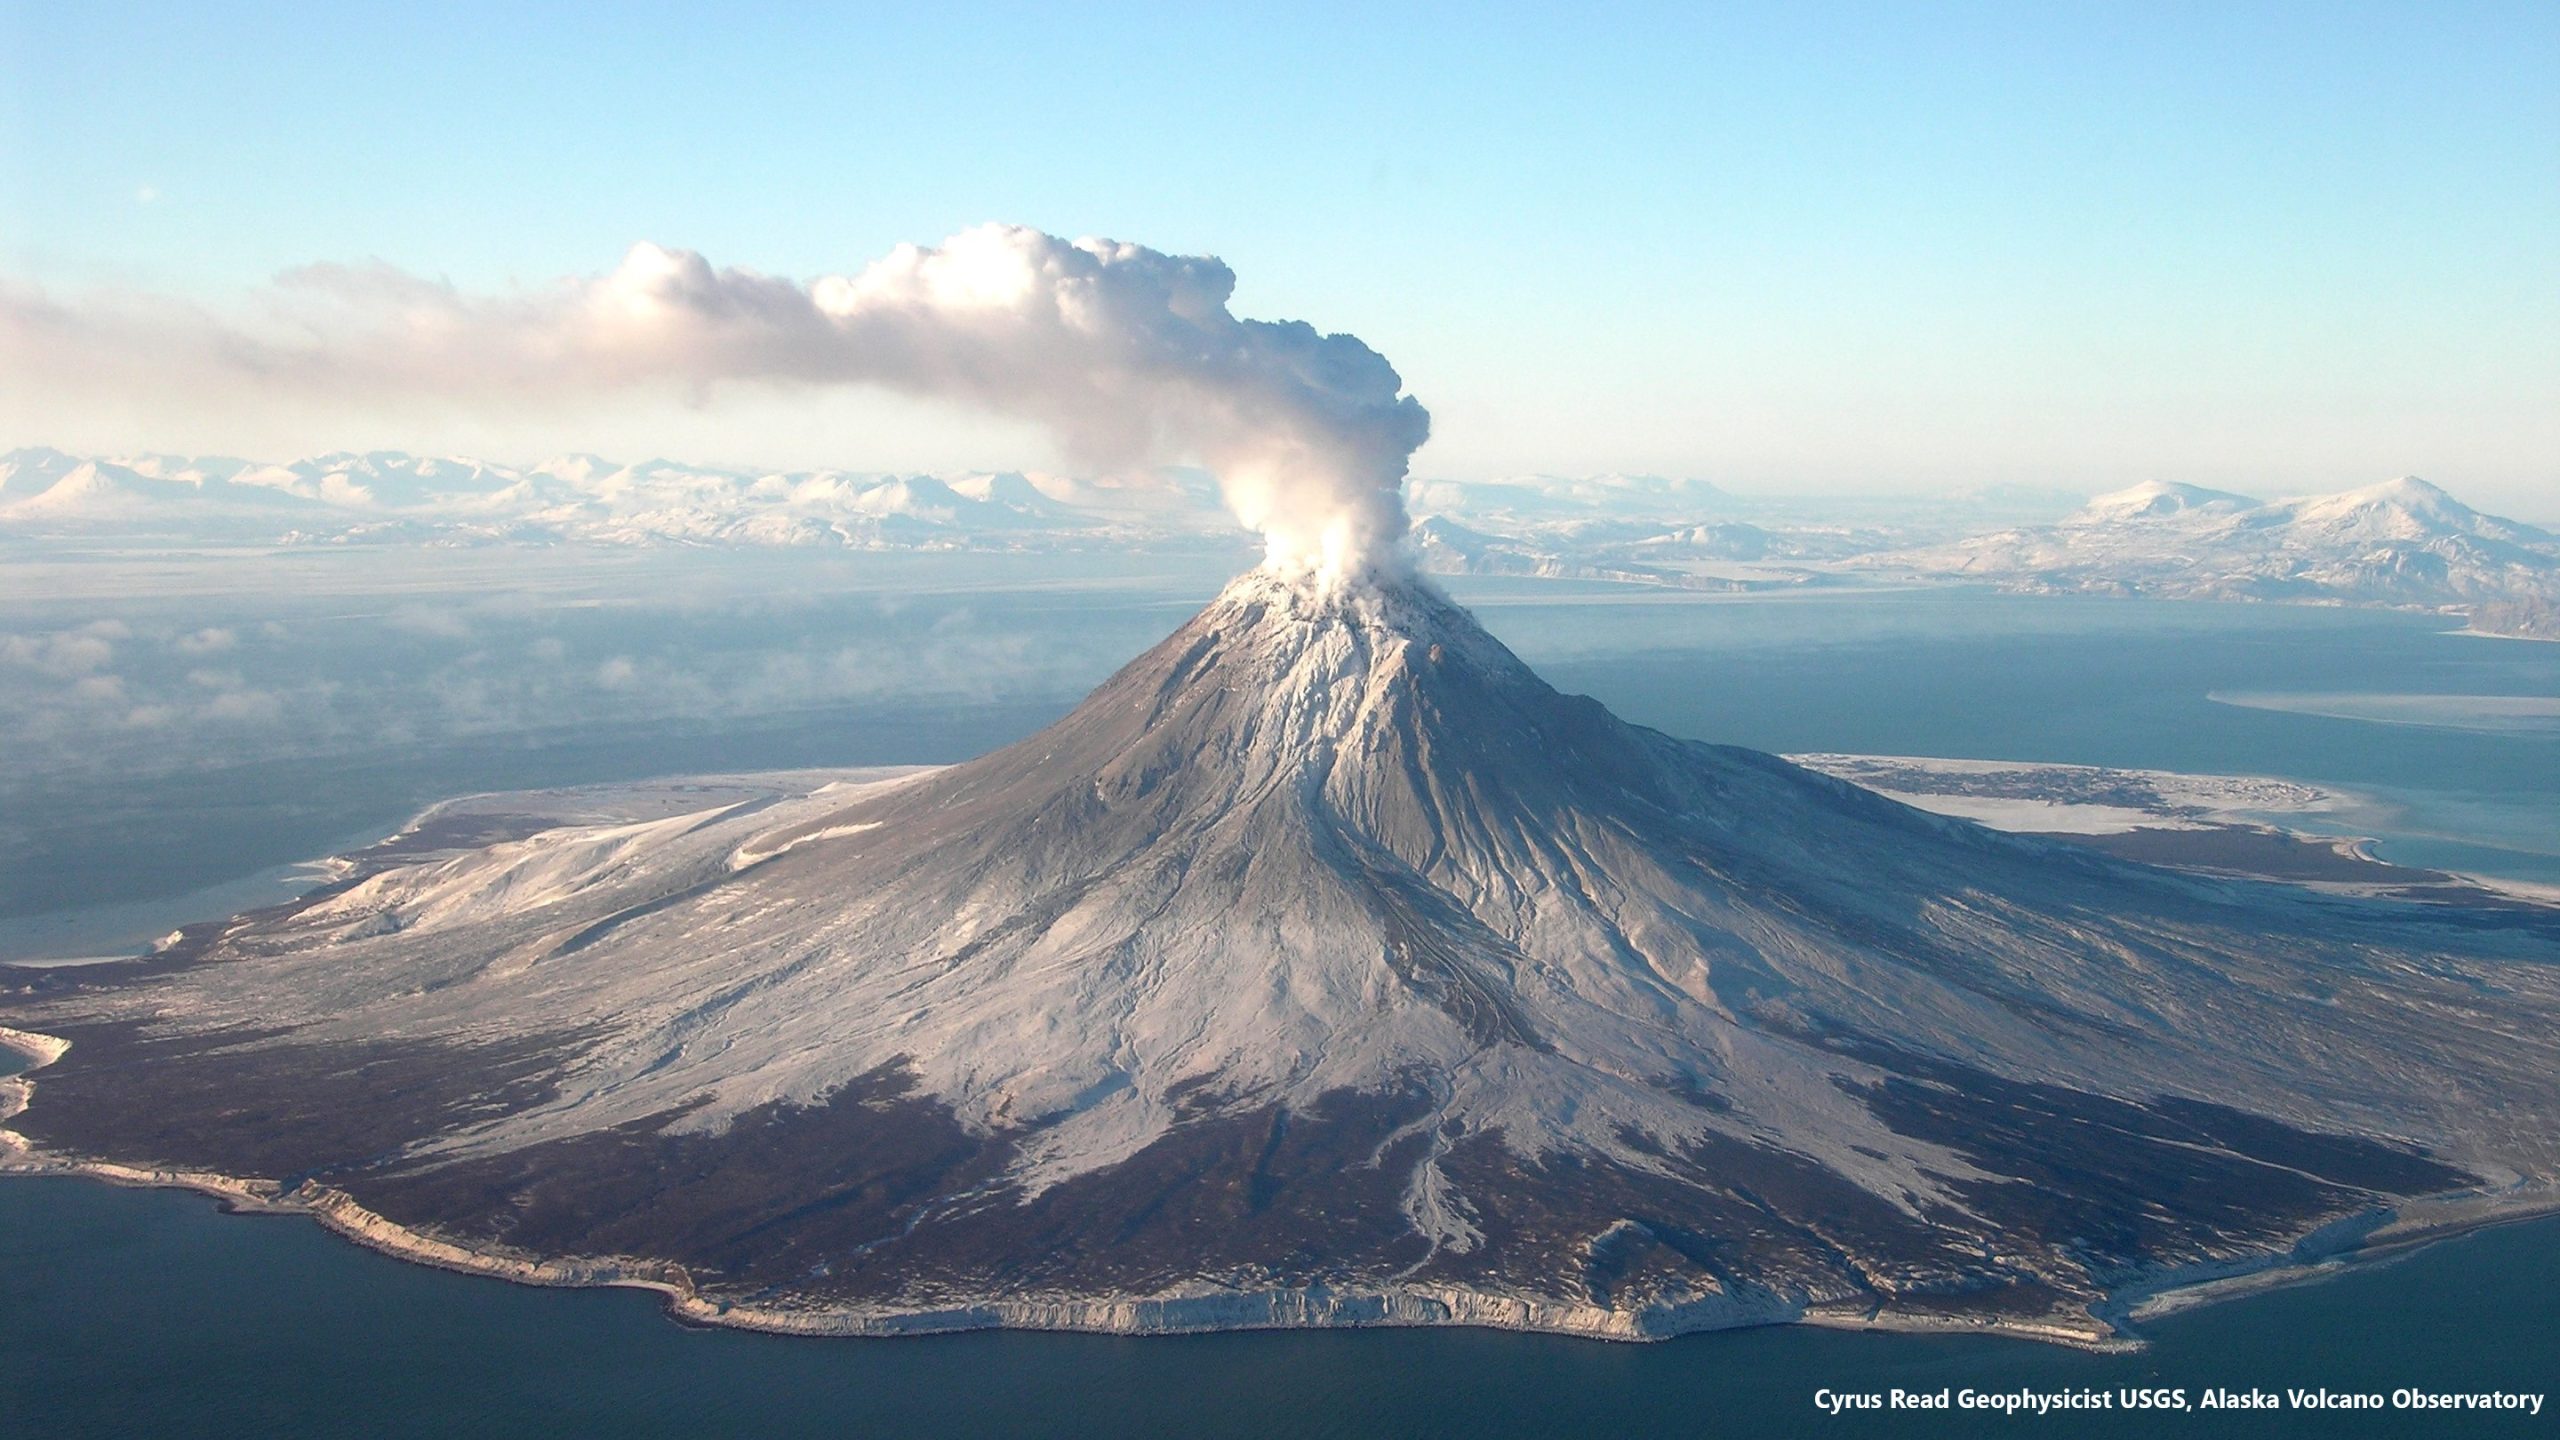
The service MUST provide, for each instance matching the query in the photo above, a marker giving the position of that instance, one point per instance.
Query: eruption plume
(1126, 355)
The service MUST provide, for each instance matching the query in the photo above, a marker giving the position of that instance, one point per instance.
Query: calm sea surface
(148, 1313)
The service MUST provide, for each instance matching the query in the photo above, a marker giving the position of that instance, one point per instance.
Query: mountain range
(391, 497)
(2404, 542)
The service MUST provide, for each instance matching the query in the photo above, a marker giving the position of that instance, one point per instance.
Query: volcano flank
(1324, 966)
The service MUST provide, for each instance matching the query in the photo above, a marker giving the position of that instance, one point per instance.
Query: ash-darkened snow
(1327, 966)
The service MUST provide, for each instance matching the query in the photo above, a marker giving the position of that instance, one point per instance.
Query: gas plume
(1126, 355)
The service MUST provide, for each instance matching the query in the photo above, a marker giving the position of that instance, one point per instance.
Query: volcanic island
(1323, 967)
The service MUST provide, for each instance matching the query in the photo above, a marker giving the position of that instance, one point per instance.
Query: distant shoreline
(2222, 825)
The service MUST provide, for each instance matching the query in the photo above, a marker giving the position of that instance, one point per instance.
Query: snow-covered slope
(1326, 952)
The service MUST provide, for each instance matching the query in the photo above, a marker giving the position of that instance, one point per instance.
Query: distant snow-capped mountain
(2402, 542)
(32, 471)
(393, 497)
(2406, 509)
(2161, 499)
(134, 492)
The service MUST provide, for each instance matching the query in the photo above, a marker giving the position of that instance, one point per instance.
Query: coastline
(2236, 825)
(2374, 1237)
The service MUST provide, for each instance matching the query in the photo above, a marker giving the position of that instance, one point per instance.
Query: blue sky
(1849, 247)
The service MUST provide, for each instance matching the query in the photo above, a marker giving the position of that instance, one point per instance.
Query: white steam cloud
(1125, 354)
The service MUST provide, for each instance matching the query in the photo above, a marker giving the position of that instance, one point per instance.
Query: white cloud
(254, 707)
(65, 654)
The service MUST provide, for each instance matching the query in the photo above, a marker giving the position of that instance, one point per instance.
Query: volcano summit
(1325, 966)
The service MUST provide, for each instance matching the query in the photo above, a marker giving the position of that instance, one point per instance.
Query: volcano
(1325, 966)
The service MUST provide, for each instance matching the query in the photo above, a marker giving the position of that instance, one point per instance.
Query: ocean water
(133, 1312)
(2093, 682)
(148, 1313)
